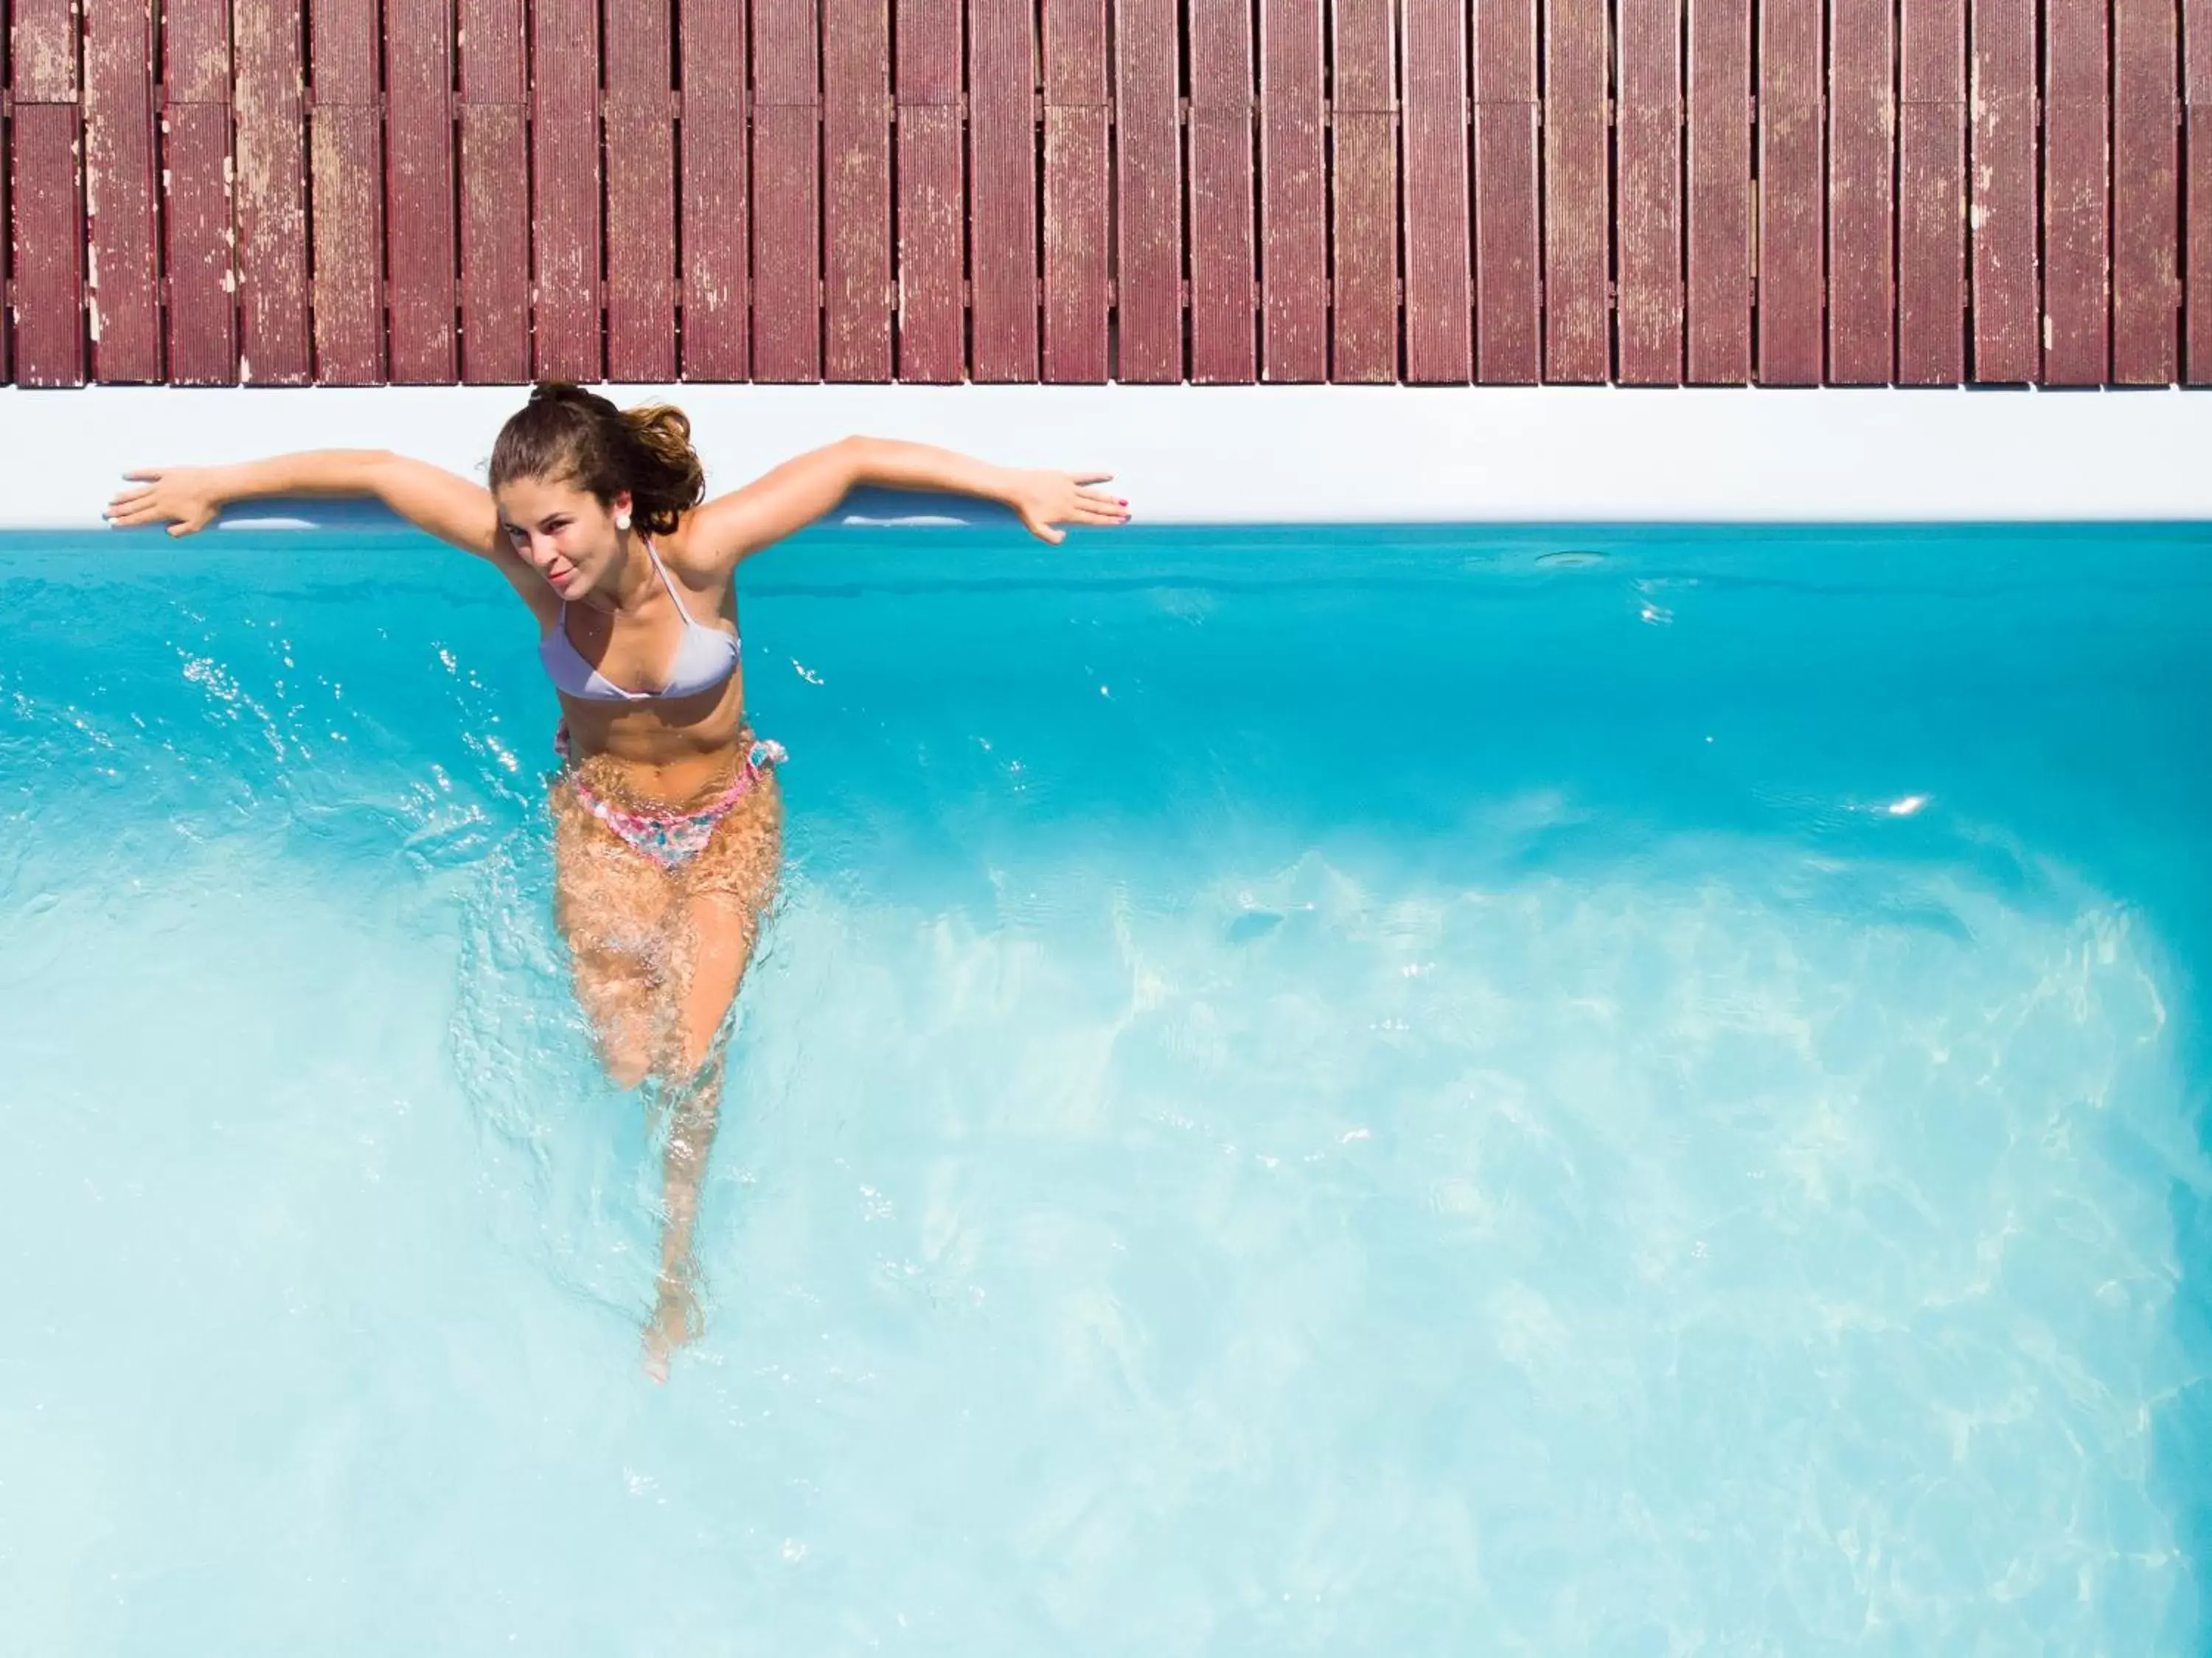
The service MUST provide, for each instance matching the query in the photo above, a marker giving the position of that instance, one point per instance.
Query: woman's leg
(613, 905)
(714, 927)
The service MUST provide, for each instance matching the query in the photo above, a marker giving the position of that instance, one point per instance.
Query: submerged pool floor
(1308, 1092)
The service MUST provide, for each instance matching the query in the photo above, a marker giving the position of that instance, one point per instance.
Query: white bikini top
(706, 657)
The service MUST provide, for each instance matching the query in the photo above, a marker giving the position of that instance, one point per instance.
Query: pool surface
(1309, 1092)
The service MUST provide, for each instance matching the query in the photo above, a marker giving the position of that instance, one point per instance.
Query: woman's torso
(663, 747)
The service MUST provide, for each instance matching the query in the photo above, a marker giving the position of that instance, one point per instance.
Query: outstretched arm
(187, 498)
(794, 495)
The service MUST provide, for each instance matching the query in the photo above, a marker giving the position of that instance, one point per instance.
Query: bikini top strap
(667, 581)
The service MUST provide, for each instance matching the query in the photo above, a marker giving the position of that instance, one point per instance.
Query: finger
(145, 475)
(1092, 478)
(1099, 498)
(1048, 535)
(122, 495)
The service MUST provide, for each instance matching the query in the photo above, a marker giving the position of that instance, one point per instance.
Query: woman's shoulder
(690, 559)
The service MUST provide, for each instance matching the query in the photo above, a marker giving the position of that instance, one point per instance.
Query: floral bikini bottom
(671, 839)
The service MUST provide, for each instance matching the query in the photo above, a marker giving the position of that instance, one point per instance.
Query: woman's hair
(565, 434)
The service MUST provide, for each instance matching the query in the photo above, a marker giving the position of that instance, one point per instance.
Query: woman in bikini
(667, 822)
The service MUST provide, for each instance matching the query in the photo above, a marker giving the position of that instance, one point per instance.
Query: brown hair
(568, 435)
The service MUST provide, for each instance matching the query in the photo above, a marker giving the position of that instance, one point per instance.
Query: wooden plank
(786, 186)
(640, 186)
(1790, 192)
(2146, 193)
(7, 248)
(1148, 191)
(2197, 93)
(1002, 229)
(495, 262)
(1076, 112)
(716, 197)
(787, 345)
(1363, 191)
(202, 314)
(6, 252)
(2076, 296)
(1650, 206)
(1862, 199)
(194, 52)
(932, 310)
(1578, 192)
(48, 261)
(419, 233)
(1719, 76)
(46, 185)
(42, 51)
(345, 200)
(564, 165)
(271, 203)
(932, 313)
(856, 140)
(640, 242)
(1223, 347)
(1076, 284)
(1293, 193)
(495, 216)
(119, 188)
(1931, 193)
(2007, 338)
(1439, 336)
(1508, 280)
(346, 213)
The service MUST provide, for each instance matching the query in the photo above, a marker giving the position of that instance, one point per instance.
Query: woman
(667, 822)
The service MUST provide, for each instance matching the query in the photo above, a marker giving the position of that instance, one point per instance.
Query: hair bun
(567, 393)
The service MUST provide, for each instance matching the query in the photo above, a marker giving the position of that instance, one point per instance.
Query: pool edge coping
(1278, 454)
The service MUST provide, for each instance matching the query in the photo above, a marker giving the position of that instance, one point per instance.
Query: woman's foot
(676, 1322)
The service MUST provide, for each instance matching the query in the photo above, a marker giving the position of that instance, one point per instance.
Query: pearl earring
(621, 520)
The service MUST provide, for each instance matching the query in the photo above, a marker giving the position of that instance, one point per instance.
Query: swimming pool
(1487, 1091)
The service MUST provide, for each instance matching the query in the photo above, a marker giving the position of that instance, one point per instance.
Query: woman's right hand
(186, 498)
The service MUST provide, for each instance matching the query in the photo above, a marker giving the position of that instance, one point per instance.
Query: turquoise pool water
(1333, 1092)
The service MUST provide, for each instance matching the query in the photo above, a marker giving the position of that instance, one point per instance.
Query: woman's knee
(623, 1036)
(628, 1063)
(624, 998)
(695, 1045)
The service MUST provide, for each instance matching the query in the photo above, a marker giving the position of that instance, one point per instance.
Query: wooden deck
(1652, 192)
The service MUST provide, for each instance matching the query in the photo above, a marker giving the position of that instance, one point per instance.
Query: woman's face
(563, 533)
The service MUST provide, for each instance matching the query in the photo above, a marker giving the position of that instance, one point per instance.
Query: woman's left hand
(1045, 498)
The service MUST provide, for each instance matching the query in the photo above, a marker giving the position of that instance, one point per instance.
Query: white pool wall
(1267, 453)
